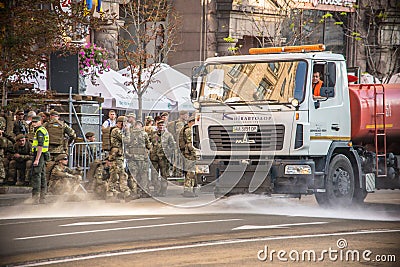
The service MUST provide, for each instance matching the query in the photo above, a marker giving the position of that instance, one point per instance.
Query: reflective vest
(317, 88)
(46, 142)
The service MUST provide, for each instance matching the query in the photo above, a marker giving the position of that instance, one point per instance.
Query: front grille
(267, 138)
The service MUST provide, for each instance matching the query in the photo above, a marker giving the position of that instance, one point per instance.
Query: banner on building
(327, 5)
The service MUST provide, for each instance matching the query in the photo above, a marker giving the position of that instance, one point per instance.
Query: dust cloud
(385, 207)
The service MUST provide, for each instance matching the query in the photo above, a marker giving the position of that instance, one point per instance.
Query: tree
(30, 31)
(273, 23)
(374, 29)
(143, 43)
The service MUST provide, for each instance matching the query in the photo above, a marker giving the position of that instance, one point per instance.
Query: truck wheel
(339, 183)
(359, 195)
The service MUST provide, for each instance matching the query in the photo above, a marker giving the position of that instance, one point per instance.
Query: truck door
(325, 109)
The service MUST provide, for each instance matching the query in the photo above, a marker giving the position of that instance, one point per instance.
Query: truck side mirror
(327, 92)
(193, 91)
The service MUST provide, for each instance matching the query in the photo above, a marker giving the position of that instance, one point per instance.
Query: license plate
(245, 129)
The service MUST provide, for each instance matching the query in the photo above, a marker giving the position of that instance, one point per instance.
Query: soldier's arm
(147, 142)
(98, 174)
(70, 132)
(188, 137)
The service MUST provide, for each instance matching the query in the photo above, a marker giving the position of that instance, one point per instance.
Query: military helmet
(61, 157)
(54, 113)
(131, 115)
(121, 119)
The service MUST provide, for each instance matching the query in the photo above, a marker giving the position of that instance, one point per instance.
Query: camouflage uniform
(189, 156)
(117, 170)
(137, 157)
(20, 127)
(63, 180)
(160, 156)
(175, 127)
(58, 131)
(101, 175)
(3, 124)
(6, 149)
(20, 167)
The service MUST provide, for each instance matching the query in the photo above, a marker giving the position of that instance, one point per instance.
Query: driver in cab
(316, 84)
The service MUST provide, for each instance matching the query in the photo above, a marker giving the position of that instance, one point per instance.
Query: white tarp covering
(168, 82)
(395, 78)
(111, 86)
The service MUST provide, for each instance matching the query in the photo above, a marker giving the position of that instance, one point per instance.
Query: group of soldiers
(160, 146)
(35, 154)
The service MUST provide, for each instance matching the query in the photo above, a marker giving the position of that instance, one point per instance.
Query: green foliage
(229, 39)
(382, 15)
(30, 30)
(327, 16)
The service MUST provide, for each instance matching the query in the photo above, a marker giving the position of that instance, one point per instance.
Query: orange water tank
(362, 107)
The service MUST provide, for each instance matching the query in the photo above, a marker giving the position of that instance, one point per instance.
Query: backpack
(56, 132)
(182, 138)
(91, 172)
(106, 137)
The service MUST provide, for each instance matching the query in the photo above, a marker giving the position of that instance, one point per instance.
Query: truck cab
(260, 128)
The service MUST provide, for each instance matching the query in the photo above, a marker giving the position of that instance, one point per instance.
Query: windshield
(275, 82)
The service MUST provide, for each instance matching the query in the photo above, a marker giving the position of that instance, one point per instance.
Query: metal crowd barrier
(83, 154)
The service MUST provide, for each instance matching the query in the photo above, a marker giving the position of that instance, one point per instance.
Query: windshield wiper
(211, 100)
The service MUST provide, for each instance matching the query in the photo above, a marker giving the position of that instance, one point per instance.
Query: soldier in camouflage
(61, 135)
(189, 155)
(6, 150)
(20, 126)
(62, 179)
(160, 156)
(98, 175)
(21, 162)
(175, 127)
(118, 181)
(148, 128)
(136, 153)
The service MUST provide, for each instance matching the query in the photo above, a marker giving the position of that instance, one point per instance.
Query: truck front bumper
(278, 176)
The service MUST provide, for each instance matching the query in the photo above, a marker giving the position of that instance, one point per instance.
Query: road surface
(240, 230)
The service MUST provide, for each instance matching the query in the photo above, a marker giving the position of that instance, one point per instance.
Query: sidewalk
(21, 195)
(13, 195)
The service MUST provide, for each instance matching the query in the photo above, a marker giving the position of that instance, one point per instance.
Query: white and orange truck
(260, 129)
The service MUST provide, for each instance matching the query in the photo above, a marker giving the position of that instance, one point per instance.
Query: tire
(359, 195)
(339, 184)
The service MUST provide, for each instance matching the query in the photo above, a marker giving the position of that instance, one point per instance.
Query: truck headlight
(202, 169)
(297, 169)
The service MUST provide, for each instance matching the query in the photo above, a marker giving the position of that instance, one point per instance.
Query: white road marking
(123, 228)
(110, 222)
(206, 244)
(255, 227)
